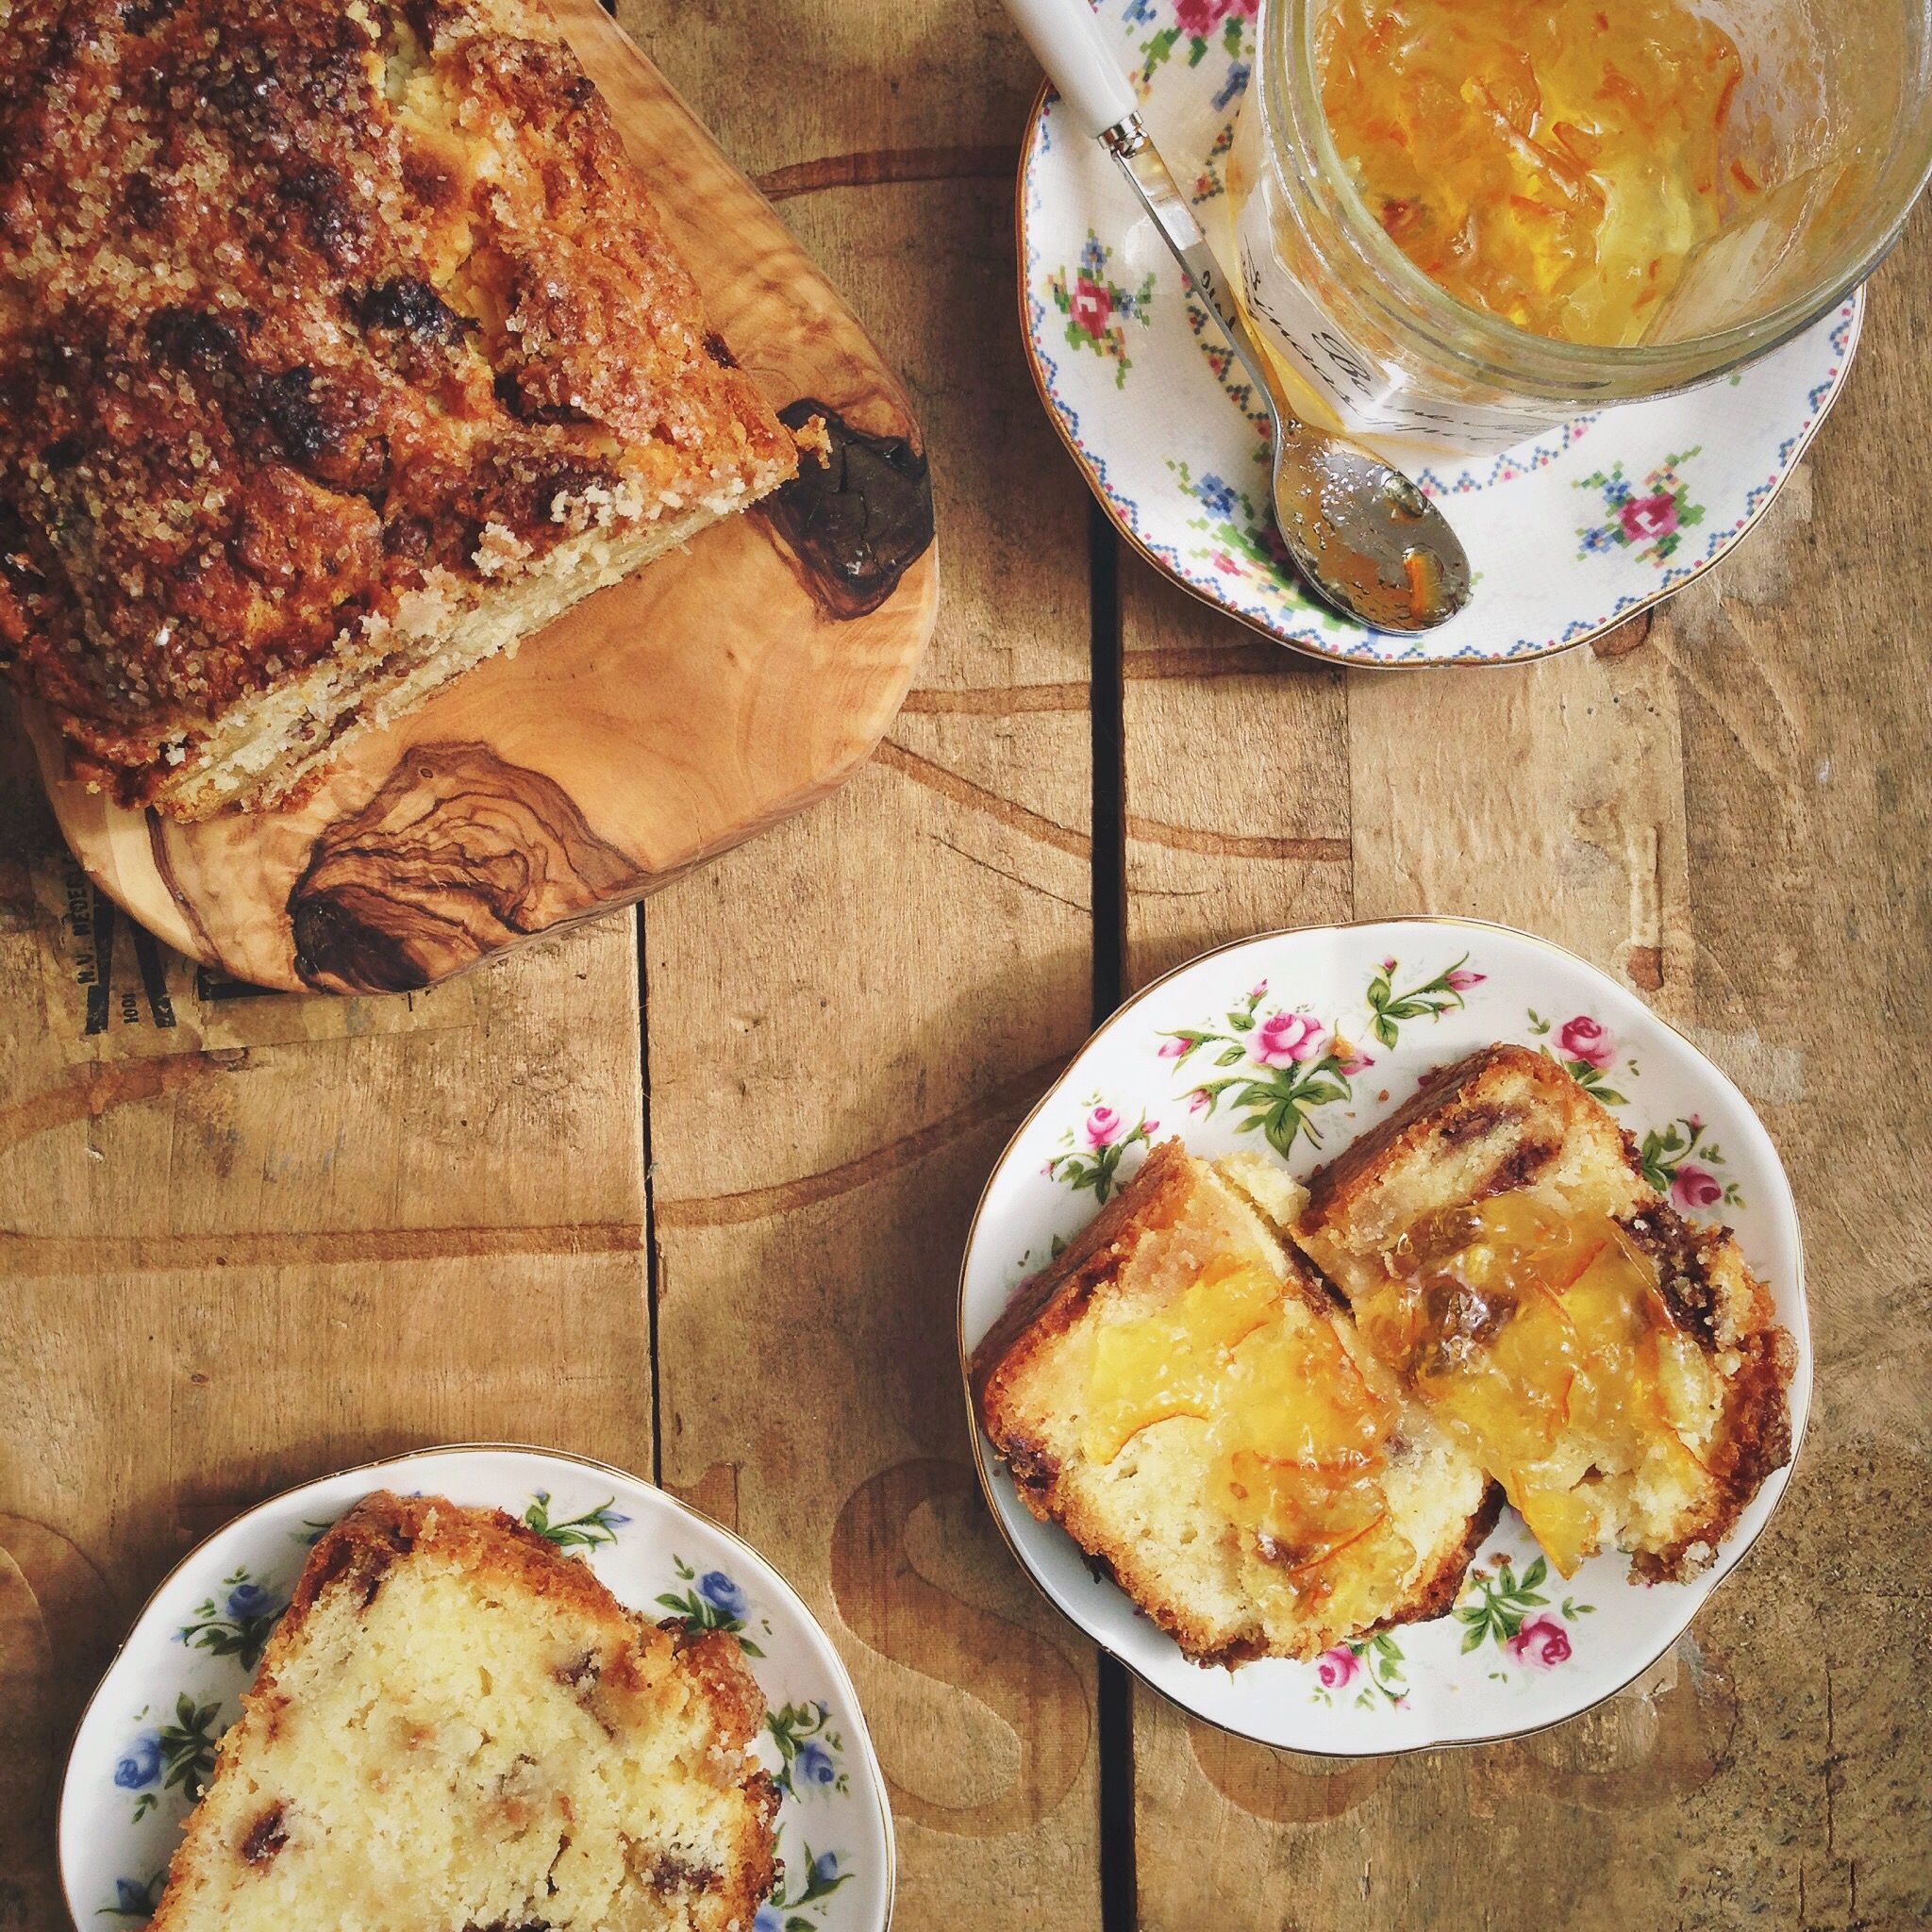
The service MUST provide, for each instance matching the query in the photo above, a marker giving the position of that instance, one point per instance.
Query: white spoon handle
(1067, 42)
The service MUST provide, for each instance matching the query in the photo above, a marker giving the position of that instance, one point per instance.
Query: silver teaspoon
(1362, 535)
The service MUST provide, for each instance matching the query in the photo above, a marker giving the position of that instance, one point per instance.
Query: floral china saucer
(1297, 1042)
(149, 1735)
(1567, 534)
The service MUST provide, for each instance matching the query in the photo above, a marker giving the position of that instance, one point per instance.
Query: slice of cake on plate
(341, 348)
(1182, 1395)
(1617, 1368)
(455, 1727)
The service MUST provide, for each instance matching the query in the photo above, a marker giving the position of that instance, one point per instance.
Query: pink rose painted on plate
(1459, 979)
(1284, 1039)
(1540, 1640)
(1201, 17)
(1589, 1041)
(1089, 308)
(1645, 517)
(1695, 1187)
(1693, 1184)
(1336, 1667)
(1093, 1147)
(1349, 1058)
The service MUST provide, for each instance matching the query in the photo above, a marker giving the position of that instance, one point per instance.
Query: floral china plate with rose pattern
(1568, 533)
(149, 1735)
(1294, 1043)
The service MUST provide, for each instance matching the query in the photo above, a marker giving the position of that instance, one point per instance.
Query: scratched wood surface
(685, 1190)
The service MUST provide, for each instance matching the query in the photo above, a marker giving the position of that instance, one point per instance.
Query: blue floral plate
(148, 1738)
(1568, 534)
(1296, 1042)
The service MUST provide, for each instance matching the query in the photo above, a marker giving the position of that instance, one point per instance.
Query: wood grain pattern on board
(652, 725)
(1721, 813)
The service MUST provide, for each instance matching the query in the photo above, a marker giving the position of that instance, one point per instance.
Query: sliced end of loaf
(1510, 1119)
(454, 1725)
(1146, 1516)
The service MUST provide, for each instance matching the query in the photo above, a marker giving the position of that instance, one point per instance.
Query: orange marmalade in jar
(1463, 221)
(1539, 159)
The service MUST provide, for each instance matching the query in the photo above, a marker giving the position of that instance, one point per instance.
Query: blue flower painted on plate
(808, 1748)
(239, 1627)
(135, 1898)
(714, 1601)
(721, 1593)
(140, 1765)
(1222, 498)
(248, 1600)
(1233, 87)
(178, 1756)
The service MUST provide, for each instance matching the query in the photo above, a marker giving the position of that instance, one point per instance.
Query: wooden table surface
(686, 1189)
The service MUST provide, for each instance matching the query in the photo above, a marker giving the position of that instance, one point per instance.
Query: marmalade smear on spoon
(1554, 162)
(1542, 1341)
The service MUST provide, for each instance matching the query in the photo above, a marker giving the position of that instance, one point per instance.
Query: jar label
(1367, 394)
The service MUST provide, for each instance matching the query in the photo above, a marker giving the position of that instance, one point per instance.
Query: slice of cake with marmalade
(1617, 1368)
(1182, 1395)
(341, 346)
(455, 1727)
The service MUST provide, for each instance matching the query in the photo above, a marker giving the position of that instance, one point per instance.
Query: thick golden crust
(630, 1675)
(1509, 1118)
(319, 324)
(1145, 1518)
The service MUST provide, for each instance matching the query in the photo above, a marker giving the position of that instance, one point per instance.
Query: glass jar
(1833, 116)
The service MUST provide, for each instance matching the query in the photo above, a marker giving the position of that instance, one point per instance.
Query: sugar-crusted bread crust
(339, 346)
(1508, 1118)
(309, 1801)
(1144, 1519)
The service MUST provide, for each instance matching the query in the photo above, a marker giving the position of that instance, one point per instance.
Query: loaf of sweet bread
(341, 346)
(455, 1727)
(1182, 1395)
(1617, 1368)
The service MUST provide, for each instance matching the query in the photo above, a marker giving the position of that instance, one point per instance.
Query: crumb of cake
(814, 438)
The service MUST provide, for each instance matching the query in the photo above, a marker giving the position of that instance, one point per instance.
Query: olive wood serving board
(653, 725)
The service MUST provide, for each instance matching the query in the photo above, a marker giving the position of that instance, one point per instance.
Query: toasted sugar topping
(298, 306)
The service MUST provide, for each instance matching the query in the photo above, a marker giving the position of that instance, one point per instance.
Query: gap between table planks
(842, 1022)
